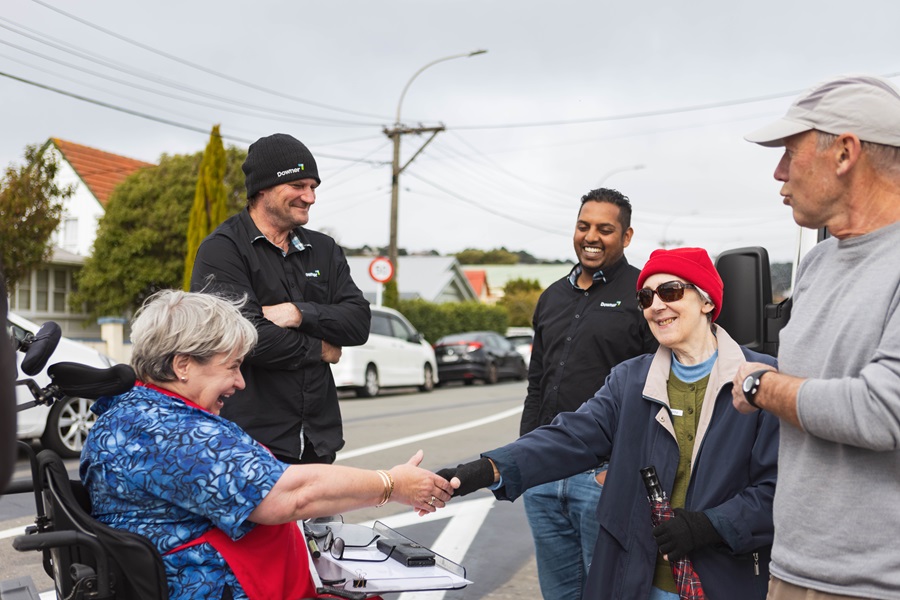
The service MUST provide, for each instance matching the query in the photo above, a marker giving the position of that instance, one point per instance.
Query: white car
(64, 426)
(395, 355)
(521, 338)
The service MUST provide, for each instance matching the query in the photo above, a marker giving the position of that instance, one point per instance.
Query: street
(452, 424)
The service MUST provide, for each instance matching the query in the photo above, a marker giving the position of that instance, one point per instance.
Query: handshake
(470, 476)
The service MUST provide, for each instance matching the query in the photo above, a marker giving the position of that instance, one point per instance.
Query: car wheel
(68, 425)
(429, 380)
(372, 387)
(491, 377)
(523, 372)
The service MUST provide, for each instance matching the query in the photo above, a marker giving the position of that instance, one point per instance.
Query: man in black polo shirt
(584, 324)
(301, 299)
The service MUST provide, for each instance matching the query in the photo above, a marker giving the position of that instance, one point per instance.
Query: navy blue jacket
(732, 476)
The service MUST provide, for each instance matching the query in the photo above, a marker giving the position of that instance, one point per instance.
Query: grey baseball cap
(864, 105)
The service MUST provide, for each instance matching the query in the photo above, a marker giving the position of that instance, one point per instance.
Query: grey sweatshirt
(837, 500)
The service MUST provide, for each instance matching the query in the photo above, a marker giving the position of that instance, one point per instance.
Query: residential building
(433, 278)
(44, 295)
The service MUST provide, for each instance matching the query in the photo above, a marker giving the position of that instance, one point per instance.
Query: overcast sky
(569, 95)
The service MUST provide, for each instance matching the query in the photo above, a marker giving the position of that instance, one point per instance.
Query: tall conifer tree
(210, 200)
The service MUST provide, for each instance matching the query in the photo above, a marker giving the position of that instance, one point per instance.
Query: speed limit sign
(381, 269)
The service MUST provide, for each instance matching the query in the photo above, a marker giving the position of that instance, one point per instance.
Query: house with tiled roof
(500, 275)
(93, 173)
(432, 278)
(478, 279)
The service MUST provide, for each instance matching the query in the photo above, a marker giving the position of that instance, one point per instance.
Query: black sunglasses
(670, 291)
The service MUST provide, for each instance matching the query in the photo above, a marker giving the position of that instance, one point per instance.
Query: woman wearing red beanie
(672, 410)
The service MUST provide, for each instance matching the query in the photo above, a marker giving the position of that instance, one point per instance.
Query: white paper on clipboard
(383, 576)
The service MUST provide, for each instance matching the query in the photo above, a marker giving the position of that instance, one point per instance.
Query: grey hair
(173, 322)
(706, 299)
(885, 159)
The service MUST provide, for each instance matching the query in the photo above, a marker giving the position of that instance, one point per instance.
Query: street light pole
(394, 134)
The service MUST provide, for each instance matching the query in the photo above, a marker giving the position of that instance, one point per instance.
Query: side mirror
(748, 314)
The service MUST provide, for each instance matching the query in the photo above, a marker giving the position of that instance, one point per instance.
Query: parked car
(395, 355)
(474, 355)
(64, 426)
(521, 338)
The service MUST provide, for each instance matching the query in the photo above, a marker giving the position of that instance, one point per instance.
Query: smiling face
(682, 325)
(600, 240)
(286, 206)
(209, 384)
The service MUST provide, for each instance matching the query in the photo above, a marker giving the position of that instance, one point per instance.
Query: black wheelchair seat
(86, 558)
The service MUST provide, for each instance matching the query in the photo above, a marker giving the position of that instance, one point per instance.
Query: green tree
(520, 297)
(30, 211)
(497, 256)
(210, 200)
(521, 285)
(142, 238)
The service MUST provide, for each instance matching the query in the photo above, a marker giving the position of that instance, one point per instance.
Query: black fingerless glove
(472, 476)
(685, 532)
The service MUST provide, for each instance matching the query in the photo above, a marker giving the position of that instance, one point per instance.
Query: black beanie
(278, 158)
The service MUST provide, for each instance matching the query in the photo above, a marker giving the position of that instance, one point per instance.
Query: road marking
(428, 434)
(8, 533)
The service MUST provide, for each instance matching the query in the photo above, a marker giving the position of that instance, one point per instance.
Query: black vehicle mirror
(747, 277)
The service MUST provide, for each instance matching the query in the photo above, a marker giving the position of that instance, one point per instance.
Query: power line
(204, 69)
(121, 67)
(481, 206)
(149, 117)
(74, 80)
(644, 114)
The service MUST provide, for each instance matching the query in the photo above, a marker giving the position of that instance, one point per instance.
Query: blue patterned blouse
(168, 471)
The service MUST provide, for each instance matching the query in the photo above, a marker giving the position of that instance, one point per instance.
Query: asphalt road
(451, 424)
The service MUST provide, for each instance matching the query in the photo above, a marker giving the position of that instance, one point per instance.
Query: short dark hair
(613, 197)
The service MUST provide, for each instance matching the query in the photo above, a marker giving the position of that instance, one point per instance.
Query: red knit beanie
(691, 264)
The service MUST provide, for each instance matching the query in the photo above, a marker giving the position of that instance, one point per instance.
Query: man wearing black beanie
(300, 297)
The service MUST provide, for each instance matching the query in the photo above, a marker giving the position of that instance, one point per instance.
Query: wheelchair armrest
(64, 539)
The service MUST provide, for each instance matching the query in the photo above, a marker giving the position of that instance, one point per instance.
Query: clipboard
(365, 568)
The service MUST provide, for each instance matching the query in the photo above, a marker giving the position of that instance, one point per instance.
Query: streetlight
(612, 172)
(396, 169)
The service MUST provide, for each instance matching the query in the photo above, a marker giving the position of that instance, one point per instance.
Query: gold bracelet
(388, 482)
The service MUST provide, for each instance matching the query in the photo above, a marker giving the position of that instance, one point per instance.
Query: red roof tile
(100, 171)
(478, 279)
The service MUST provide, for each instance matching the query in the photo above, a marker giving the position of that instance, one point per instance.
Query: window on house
(60, 290)
(20, 298)
(42, 303)
(70, 234)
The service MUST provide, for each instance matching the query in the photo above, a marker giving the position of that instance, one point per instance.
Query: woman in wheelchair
(218, 506)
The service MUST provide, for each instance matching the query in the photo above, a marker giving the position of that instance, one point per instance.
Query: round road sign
(381, 269)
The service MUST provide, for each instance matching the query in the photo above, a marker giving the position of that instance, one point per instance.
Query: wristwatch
(751, 386)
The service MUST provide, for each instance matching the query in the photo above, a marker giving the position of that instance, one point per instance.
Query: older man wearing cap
(670, 409)
(301, 299)
(838, 388)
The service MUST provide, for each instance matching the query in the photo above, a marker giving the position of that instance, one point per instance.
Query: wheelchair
(87, 559)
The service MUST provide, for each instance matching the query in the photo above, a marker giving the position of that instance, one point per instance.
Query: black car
(472, 355)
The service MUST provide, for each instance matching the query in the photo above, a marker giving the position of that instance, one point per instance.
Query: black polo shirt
(288, 384)
(579, 336)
